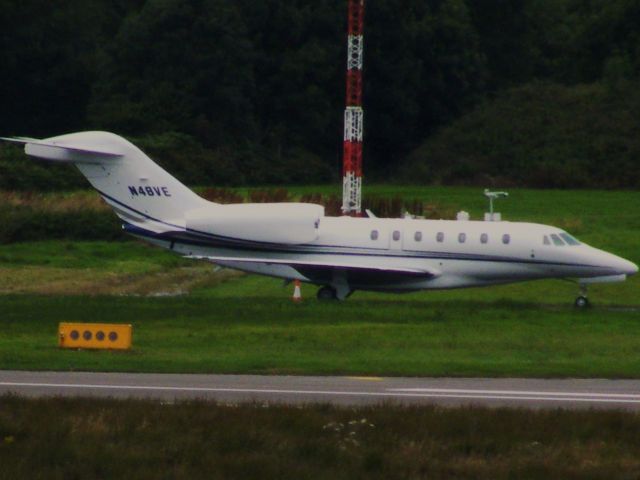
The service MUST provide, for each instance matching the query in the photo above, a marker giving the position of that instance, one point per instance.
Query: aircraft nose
(617, 265)
(632, 268)
(625, 266)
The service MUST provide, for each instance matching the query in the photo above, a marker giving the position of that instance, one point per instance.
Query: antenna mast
(353, 114)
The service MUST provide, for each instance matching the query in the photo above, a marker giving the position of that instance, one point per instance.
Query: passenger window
(418, 237)
(440, 237)
(569, 239)
(396, 235)
(462, 237)
(374, 234)
(484, 238)
(546, 240)
(506, 238)
(557, 240)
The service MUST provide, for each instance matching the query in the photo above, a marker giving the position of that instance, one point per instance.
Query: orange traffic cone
(297, 293)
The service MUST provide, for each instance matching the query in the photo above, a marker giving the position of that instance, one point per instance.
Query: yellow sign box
(95, 335)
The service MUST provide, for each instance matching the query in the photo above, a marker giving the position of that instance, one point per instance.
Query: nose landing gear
(582, 301)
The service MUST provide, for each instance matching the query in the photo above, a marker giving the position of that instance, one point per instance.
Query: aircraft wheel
(326, 293)
(582, 302)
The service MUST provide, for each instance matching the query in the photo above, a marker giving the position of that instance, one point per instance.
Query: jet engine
(288, 223)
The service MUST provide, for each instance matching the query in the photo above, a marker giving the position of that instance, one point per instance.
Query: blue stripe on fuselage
(205, 239)
(186, 238)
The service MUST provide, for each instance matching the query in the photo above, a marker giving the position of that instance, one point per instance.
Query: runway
(493, 392)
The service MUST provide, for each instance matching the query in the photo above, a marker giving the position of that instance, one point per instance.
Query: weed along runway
(492, 392)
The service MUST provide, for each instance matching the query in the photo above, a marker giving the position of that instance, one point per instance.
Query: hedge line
(19, 224)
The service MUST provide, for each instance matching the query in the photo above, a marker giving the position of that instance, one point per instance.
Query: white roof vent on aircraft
(492, 216)
(462, 216)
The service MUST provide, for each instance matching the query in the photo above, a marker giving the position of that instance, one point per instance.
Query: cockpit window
(546, 240)
(569, 239)
(556, 240)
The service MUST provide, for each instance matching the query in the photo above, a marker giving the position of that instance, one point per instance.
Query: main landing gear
(340, 291)
(327, 293)
(582, 301)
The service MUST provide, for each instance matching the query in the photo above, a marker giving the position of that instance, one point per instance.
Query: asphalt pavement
(492, 392)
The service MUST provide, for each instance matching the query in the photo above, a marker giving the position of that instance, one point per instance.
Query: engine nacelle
(289, 223)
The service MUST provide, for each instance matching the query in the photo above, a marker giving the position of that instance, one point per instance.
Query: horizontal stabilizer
(64, 152)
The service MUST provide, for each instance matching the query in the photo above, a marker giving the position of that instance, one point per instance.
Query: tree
(423, 67)
(179, 65)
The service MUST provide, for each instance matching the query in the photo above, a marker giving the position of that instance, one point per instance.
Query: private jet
(296, 241)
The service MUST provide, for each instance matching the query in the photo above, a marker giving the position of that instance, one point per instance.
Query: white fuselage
(461, 253)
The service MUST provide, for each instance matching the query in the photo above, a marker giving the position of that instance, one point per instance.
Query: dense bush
(19, 224)
(539, 135)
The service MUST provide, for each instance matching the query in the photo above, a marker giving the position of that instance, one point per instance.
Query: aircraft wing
(332, 264)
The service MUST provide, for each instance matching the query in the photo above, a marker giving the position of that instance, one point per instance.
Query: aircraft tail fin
(140, 191)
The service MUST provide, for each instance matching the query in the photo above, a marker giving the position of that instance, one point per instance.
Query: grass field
(134, 439)
(207, 321)
(188, 317)
(262, 334)
(100, 268)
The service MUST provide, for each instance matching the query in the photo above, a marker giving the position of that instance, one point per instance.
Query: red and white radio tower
(353, 114)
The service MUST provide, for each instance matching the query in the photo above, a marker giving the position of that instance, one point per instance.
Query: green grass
(99, 268)
(100, 438)
(130, 257)
(241, 332)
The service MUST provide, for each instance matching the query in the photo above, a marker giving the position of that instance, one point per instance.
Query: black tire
(326, 293)
(582, 302)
